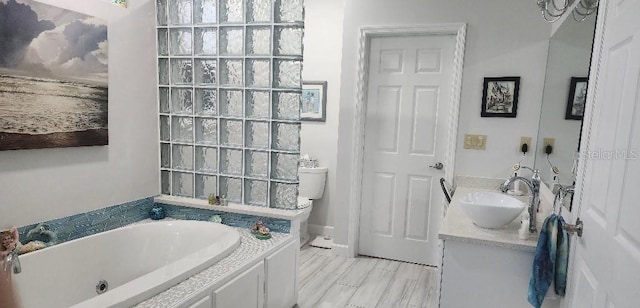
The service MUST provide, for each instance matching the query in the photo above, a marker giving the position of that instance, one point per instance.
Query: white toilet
(311, 187)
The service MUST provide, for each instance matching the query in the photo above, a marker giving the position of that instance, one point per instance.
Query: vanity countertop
(458, 226)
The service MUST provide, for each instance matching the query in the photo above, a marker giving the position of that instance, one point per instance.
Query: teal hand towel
(550, 260)
(542, 273)
(562, 258)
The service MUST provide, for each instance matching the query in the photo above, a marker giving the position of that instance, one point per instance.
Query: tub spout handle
(12, 262)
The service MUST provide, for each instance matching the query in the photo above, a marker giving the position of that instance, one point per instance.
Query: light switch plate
(475, 142)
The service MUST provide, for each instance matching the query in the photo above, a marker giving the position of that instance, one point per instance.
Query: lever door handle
(437, 166)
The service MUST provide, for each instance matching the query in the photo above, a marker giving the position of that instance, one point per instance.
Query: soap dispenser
(523, 233)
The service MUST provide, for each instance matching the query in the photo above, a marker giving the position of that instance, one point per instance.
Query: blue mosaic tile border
(101, 220)
(230, 219)
(113, 217)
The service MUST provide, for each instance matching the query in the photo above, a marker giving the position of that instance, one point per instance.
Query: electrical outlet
(475, 142)
(546, 142)
(527, 141)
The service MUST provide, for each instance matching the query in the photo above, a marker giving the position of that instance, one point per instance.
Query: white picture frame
(313, 102)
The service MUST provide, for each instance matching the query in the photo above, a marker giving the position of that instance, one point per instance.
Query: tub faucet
(534, 194)
(12, 263)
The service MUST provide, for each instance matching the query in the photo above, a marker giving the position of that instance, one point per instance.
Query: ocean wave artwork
(53, 77)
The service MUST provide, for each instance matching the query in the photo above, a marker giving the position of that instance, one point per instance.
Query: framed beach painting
(500, 97)
(52, 99)
(314, 101)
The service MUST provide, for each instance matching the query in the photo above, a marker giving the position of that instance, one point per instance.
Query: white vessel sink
(491, 210)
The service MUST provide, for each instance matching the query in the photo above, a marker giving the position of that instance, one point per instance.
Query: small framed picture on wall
(577, 98)
(500, 97)
(122, 3)
(313, 103)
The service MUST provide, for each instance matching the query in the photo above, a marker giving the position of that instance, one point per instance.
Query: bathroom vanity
(485, 267)
(492, 268)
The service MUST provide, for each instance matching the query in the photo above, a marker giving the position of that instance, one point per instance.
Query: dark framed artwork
(500, 97)
(313, 103)
(577, 98)
(53, 78)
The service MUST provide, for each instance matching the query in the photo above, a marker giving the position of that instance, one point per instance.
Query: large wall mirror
(563, 99)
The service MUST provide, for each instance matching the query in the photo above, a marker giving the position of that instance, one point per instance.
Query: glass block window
(229, 88)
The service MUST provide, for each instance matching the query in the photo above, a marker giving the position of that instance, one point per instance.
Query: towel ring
(577, 228)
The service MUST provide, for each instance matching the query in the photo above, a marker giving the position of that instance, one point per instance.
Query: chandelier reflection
(552, 10)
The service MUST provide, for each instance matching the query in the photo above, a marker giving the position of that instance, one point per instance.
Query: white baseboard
(320, 230)
(340, 250)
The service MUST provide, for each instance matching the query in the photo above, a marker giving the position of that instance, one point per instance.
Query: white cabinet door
(245, 291)
(480, 276)
(205, 302)
(281, 277)
(203, 299)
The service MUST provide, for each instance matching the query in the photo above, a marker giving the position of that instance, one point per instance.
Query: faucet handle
(536, 175)
(525, 167)
(12, 261)
(535, 171)
(568, 189)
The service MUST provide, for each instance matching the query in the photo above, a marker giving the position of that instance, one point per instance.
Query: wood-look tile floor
(328, 281)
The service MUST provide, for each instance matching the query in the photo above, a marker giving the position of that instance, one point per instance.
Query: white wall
(504, 38)
(322, 59)
(43, 184)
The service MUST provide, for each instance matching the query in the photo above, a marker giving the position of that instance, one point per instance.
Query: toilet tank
(312, 182)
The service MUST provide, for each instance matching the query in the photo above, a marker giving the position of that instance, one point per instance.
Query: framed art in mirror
(314, 101)
(577, 98)
(500, 97)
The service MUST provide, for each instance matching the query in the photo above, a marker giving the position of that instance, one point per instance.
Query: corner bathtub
(137, 261)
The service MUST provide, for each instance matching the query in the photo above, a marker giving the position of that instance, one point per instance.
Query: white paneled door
(606, 265)
(408, 99)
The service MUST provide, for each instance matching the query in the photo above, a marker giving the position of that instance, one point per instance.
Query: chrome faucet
(12, 263)
(534, 194)
(561, 193)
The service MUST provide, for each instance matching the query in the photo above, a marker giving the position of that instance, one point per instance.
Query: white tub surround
(258, 272)
(485, 267)
(294, 216)
(237, 208)
(208, 264)
(136, 261)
